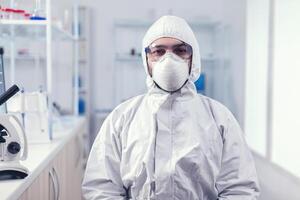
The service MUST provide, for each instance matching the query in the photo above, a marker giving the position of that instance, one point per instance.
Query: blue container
(81, 106)
(200, 84)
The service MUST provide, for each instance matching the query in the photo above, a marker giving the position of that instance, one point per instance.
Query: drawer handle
(55, 183)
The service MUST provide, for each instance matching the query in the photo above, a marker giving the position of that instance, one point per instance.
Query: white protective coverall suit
(161, 145)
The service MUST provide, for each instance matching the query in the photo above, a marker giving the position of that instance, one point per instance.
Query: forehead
(165, 41)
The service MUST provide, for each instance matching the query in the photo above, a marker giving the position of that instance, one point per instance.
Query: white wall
(286, 82)
(257, 74)
(272, 68)
(103, 15)
(234, 14)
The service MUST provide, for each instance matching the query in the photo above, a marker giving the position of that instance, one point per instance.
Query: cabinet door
(58, 183)
(39, 189)
(74, 151)
(68, 169)
(62, 178)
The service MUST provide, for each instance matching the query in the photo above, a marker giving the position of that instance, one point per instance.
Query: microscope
(13, 142)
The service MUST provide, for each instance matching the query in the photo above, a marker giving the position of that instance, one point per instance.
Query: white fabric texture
(180, 145)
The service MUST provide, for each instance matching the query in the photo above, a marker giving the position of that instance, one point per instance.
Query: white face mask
(171, 72)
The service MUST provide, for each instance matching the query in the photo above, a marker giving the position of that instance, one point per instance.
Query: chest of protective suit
(173, 149)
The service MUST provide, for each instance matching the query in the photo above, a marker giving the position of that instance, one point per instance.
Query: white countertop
(39, 157)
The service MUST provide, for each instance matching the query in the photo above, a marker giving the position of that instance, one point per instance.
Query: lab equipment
(8, 94)
(18, 14)
(11, 13)
(38, 12)
(162, 145)
(37, 18)
(31, 108)
(2, 79)
(13, 143)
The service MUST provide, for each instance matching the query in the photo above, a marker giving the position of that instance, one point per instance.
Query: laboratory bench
(55, 168)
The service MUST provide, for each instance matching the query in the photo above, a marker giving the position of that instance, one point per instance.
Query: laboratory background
(66, 64)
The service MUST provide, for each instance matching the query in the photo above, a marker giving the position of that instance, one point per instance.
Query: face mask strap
(171, 91)
(190, 65)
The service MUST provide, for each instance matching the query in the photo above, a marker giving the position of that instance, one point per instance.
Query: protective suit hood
(178, 28)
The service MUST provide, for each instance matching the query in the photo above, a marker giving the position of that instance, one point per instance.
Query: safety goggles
(155, 52)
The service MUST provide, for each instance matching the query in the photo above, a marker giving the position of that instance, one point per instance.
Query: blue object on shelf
(81, 106)
(200, 84)
(37, 18)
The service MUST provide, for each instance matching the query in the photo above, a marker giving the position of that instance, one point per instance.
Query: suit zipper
(171, 175)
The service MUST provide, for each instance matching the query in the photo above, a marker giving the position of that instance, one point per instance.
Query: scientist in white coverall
(170, 143)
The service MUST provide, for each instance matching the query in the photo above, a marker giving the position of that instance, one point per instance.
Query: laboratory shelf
(23, 29)
(204, 24)
(34, 59)
(27, 58)
(132, 23)
(23, 22)
(128, 58)
(127, 23)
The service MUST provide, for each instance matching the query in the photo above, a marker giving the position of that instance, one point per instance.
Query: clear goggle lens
(182, 50)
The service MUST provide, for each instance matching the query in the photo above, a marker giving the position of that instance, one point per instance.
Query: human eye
(181, 50)
(158, 51)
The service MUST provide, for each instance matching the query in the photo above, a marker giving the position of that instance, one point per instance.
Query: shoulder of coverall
(222, 116)
(124, 110)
